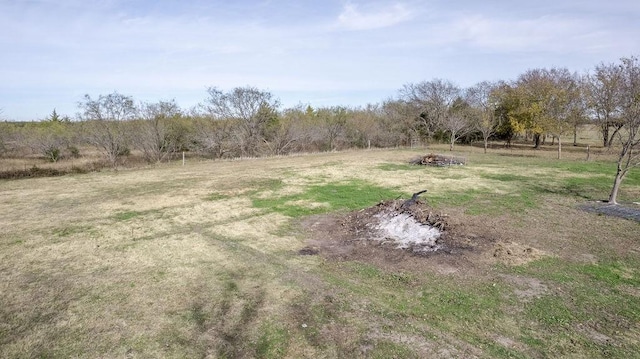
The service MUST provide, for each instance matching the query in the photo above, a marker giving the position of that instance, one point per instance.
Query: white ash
(407, 233)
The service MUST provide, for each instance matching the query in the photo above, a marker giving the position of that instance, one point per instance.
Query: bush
(53, 154)
(34, 171)
(74, 151)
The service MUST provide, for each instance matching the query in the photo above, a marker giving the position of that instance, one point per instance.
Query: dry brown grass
(174, 261)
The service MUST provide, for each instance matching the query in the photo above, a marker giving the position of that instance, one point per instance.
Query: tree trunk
(453, 139)
(559, 148)
(605, 135)
(536, 141)
(486, 144)
(575, 135)
(615, 132)
(613, 197)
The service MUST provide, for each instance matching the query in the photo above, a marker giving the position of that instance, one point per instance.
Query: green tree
(543, 100)
(507, 111)
(49, 137)
(55, 117)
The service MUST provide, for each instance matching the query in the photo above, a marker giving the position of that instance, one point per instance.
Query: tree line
(247, 121)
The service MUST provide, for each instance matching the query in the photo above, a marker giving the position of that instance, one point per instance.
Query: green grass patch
(347, 195)
(585, 180)
(70, 230)
(478, 202)
(458, 306)
(550, 311)
(591, 188)
(368, 271)
(582, 294)
(273, 341)
(387, 349)
(613, 273)
(126, 215)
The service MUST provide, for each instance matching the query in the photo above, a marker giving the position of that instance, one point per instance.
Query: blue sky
(321, 53)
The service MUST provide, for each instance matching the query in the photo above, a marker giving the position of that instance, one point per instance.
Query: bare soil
(629, 211)
(464, 245)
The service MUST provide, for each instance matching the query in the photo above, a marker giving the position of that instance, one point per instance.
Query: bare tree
(457, 121)
(285, 134)
(434, 100)
(4, 134)
(104, 118)
(563, 104)
(159, 133)
(250, 107)
(364, 127)
(602, 90)
(629, 105)
(213, 137)
(578, 112)
(334, 123)
(441, 108)
(399, 120)
(483, 101)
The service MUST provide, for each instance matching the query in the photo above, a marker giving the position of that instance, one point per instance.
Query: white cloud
(518, 35)
(353, 18)
(147, 48)
(543, 34)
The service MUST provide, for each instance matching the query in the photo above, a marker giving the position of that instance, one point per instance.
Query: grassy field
(202, 261)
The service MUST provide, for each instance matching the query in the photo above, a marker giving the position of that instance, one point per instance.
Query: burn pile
(409, 225)
(433, 159)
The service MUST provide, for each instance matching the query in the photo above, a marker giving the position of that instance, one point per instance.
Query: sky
(318, 53)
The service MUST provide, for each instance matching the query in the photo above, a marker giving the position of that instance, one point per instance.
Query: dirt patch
(628, 211)
(437, 160)
(514, 254)
(399, 236)
(527, 288)
(308, 251)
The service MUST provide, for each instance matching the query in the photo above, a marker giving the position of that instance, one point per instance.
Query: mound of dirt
(514, 254)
